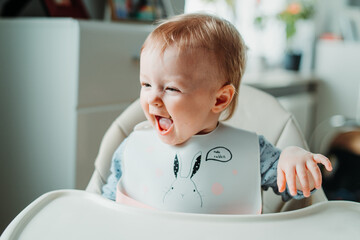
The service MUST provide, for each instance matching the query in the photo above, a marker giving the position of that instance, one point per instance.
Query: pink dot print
(150, 149)
(159, 172)
(217, 189)
(234, 172)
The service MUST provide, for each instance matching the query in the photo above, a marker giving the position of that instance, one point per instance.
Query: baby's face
(178, 92)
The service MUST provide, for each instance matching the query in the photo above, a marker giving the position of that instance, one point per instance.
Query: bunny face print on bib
(215, 173)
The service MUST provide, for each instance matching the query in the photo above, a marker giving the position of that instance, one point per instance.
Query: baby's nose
(154, 99)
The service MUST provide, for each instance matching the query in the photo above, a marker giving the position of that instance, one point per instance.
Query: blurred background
(68, 68)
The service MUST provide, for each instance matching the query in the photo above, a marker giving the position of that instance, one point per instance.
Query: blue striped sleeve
(109, 189)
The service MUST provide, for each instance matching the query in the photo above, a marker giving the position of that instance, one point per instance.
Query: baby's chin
(173, 141)
(169, 141)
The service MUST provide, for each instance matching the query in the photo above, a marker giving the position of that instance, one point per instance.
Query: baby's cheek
(217, 189)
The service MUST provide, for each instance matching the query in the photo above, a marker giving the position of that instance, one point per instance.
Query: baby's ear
(224, 97)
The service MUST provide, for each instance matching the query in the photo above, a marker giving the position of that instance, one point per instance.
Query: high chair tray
(74, 214)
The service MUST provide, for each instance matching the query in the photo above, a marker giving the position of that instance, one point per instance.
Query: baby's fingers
(291, 181)
(281, 180)
(315, 172)
(319, 158)
(304, 180)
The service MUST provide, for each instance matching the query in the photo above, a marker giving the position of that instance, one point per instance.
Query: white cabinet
(337, 63)
(62, 83)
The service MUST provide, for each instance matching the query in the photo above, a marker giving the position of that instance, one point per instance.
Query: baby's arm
(109, 189)
(298, 168)
(269, 158)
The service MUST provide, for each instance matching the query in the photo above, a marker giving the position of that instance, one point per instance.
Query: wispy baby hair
(190, 31)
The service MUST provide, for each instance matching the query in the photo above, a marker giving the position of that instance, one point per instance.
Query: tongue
(165, 123)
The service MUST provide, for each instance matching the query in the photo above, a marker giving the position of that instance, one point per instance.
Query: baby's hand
(297, 163)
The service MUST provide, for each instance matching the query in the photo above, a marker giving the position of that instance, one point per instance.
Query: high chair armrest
(113, 137)
(95, 183)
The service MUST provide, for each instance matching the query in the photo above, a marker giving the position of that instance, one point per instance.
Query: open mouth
(164, 125)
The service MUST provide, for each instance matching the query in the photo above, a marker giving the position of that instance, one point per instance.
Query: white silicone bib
(214, 173)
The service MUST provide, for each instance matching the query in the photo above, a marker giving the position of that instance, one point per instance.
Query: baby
(183, 158)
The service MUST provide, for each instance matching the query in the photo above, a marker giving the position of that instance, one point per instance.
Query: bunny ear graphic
(196, 166)
(176, 166)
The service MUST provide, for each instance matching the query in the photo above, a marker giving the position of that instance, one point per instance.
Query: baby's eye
(145, 84)
(172, 89)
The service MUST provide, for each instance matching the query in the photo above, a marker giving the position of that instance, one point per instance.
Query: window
(268, 43)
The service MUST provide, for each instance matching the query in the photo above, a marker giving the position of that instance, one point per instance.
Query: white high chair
(256, 111)
(75, 214)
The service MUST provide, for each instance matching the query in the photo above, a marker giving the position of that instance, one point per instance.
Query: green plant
(293, 12)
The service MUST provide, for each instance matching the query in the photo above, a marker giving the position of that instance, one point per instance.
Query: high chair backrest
(257, 111)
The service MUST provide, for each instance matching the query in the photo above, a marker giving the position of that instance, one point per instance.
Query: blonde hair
(189, 31)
